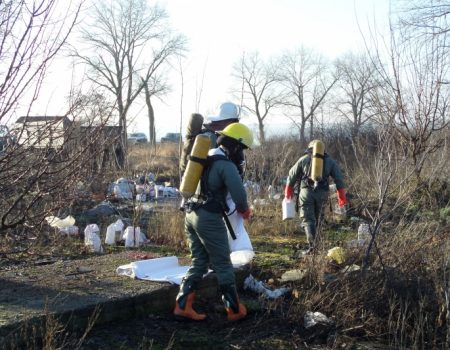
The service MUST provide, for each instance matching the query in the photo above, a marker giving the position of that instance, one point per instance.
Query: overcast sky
(219, 31)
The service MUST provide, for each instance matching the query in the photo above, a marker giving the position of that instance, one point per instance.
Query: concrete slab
(72, 290)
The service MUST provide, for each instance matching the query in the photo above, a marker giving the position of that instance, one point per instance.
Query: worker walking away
(312, 172)
(205, 228)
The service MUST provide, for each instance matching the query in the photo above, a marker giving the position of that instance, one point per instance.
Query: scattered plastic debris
(337, 254)
(70, 230)
(92, 238)
(114, 232)
(54, 221)
(293, 275)
(123, 189)
(364, 232)
(258, 286)
(65, 226)
(133, 237)
(312, 319)
(241, 257)
(352, 268)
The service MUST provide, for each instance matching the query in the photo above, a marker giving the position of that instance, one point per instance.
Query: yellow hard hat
(240, 133)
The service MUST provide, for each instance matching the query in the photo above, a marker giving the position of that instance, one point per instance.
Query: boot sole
(186, 319)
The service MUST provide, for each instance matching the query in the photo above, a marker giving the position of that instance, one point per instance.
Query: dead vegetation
(400, 299)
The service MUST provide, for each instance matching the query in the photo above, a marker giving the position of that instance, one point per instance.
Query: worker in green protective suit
(313, 195)
(205, 228)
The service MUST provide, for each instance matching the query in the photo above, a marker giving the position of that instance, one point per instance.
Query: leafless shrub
(167, 228)
(269, 163)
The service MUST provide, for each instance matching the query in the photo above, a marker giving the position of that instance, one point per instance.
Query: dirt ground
(260, 330)
(77, 281)
(88, 278)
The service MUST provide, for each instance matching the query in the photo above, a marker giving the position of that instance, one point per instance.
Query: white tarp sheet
(166, 269)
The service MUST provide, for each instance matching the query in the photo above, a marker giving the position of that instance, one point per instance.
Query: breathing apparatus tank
(193, 128)
(195, 165)
(318, 151)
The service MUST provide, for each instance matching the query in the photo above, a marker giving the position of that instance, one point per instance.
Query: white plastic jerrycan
(288, 209)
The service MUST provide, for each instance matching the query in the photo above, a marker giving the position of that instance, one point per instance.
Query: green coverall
(312, 200)
(205, 227)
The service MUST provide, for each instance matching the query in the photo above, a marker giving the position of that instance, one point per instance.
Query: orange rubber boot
(235, 310)
(235, 316)
(183, 308)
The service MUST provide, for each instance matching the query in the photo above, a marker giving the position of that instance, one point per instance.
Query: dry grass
(167, 228)
(401, 300)
(162, 160)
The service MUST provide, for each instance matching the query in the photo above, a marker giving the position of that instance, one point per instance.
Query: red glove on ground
(246, 214)
(342, 198)
(288, 192)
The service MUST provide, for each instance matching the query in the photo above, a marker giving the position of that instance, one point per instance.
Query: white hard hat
(228, 110)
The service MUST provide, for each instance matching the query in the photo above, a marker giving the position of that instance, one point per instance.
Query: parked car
(6, 138)
(137, 137)
(171, 137)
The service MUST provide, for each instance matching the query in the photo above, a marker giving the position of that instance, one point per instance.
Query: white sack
(242, 241)
(92, 238)
(133, 236)
(123, 190)
(54, 221)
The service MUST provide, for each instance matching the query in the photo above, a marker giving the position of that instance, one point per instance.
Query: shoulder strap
(208, 163)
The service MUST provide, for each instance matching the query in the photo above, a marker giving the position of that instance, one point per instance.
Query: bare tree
(414, 94)
(127, 46)
(35, 177)
(357, 81)
(31, 35)
(156, 86)
(259, 90)
(307, 79)
(412, 115)
(426, 17)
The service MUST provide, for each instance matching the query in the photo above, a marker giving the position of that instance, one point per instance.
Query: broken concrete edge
(160, 301)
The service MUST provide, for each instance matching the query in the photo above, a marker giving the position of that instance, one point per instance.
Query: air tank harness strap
(228, 224)
(223, 207)
(318, 155)
(198, 160)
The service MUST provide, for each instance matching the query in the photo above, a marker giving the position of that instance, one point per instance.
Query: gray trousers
(311, 210)
(208, 241)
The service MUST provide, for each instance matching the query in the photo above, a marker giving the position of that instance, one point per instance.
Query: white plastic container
(132, 236)
(340, 210)
(141, 197)
(69, 230)
(364, 232)
(159, 191)
(288, 209)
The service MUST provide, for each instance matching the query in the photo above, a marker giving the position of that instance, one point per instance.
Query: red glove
(342, 198)
(246, 213)
(288, 192)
